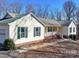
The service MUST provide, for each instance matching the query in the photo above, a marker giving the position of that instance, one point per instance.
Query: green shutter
(26, 32)
(18, 33)
(34, 31)
(39, 31)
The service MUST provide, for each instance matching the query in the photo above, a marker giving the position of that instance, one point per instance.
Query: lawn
(62, 49)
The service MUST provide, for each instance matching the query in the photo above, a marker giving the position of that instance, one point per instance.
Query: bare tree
(15, 7)
(69, 8)
(58, 15)
(3, 8)
(30, 8)
(77, 15)
(52, 15)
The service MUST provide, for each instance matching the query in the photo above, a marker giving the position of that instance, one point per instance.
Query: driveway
(3, 53)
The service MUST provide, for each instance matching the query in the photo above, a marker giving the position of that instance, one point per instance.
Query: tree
(77, 15)
(69, 8)
(58, 15)
(52, 15)
(30, 8)
(3, 8)
(15, 7)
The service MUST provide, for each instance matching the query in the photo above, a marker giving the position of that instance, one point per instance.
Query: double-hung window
(49, 29)
(70, 29)
(37, 31)
(22, 32)
(74, 29)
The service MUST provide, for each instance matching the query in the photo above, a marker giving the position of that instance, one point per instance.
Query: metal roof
(45, 22)
(64, 22)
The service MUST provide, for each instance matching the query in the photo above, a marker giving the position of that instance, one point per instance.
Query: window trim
(19, 33)
(49, 29)
(73, 29)
(70, 29)
(37, 33)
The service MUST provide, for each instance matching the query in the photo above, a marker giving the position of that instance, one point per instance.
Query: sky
(54, 4)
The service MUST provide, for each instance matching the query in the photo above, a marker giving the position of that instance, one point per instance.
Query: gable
(72, 24)
(27, 20)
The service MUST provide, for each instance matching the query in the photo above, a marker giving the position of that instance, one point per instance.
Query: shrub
(65, 36)
(9, 44)
(58, 36)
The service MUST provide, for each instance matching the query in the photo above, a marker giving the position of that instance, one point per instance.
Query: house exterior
(73, 29)
(26, 28)
(64, 27)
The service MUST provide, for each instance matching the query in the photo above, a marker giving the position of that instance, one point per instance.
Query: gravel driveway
(4, 54)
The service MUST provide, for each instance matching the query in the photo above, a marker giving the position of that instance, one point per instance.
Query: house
(26, 28)
(73, 29)
(64, 27)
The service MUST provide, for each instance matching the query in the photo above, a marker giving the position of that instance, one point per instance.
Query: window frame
(37, 31)
(73, 29)
(49, 29)
(70, 29)
(19, 32)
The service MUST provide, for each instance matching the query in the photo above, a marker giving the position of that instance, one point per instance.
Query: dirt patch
(65, 49)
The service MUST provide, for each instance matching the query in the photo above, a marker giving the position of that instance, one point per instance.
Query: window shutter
(26, 32)
(18, 32)
(39, 31)
(34, 31)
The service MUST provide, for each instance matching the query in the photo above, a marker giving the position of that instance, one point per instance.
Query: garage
(2, 35)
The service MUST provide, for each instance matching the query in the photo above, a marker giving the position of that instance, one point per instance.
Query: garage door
(2, 35)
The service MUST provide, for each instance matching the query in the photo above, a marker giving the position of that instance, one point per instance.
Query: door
(2, 35)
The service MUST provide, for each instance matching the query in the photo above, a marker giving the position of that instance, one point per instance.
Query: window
(73, 29)
(49, 29)
(70, 29)
(37, 31)
(22, 32)
(54, 28)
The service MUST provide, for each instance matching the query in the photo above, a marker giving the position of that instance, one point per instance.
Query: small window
(49, 29)
(37, 31)
(22, 32)
(73, 29)
(70, 29)
(54, 28)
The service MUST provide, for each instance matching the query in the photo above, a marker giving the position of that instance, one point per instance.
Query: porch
(52, 30)
(52, 33)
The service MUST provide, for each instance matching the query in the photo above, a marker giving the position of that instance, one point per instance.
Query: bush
(9, 44)
(58, 36)
(65, 36)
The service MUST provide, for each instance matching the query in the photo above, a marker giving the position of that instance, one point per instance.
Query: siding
(73, 26)
(26, 21)
(64, 30)
(5, 28)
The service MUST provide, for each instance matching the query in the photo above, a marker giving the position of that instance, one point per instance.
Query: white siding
(72, 25)
(26, 21)
(64, 30)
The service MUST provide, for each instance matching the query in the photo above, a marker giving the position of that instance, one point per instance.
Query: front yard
(60, 49)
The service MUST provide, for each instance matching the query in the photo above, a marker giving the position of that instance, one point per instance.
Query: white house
(64, 27)
(26, 28)
(73, 29)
